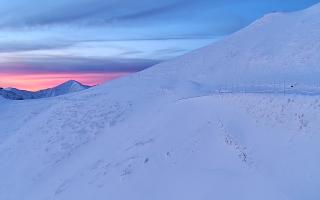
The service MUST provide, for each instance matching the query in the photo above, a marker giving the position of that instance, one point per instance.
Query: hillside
(279, 47)
(196, 127)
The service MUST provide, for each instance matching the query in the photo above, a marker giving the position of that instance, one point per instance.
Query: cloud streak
(36, 12)
(76, 64)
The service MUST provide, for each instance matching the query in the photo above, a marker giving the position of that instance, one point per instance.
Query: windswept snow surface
(173, 132)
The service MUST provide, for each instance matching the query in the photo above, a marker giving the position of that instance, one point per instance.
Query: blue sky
(118, 35)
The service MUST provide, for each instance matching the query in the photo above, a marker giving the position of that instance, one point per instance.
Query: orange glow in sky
(34, 82)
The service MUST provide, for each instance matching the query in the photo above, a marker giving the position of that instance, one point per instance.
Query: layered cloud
(75, 64)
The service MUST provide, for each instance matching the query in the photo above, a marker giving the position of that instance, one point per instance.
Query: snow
(198, 145)
(202, 126)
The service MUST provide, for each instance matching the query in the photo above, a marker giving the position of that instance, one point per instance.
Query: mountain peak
(64, 88)
(72, 81)
(72, 84)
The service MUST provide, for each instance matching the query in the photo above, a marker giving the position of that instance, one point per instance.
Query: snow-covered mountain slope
(64, 88)
(165, 133)
(279, 47)
(228, 146)
(9, 95)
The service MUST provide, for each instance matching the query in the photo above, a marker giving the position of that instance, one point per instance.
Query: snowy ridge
(70, 86)
(166, 133)
(9, 95)
(274, 49)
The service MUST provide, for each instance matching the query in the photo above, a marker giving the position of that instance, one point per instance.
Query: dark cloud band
(78, 64)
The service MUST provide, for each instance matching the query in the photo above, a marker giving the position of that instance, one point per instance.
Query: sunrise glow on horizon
(34, 82)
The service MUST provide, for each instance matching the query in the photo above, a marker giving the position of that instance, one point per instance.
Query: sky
(44, 43)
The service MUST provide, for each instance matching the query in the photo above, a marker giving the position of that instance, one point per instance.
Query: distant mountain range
(9, 94)
(64, 88)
